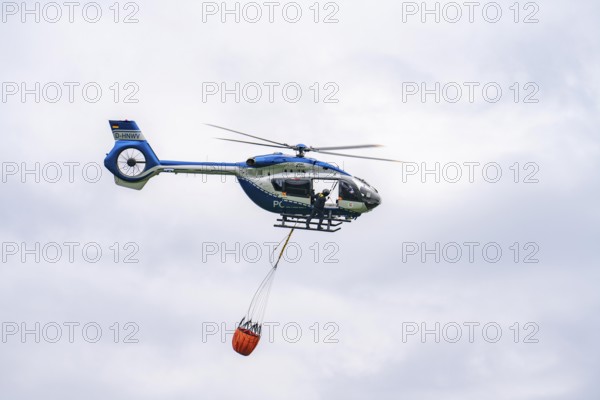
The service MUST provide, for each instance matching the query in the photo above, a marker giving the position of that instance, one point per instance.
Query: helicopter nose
(373, 201)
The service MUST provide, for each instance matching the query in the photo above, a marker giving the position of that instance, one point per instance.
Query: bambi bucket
(244, 341)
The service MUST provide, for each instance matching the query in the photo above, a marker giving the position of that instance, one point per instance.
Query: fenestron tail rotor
(131, 162)
(301, 149)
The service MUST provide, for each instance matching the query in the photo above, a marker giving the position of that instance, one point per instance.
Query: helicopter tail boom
(133, 162)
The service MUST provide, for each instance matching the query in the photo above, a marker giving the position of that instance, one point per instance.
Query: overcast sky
(507, 88)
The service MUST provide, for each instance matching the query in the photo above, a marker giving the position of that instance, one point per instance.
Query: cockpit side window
(348, 191)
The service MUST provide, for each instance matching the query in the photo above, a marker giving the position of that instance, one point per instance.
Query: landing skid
(298, 221)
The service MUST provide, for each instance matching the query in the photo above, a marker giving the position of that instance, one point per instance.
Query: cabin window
(297, 187)
(278, 184)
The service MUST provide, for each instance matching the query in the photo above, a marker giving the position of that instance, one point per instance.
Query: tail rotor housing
(131, 160)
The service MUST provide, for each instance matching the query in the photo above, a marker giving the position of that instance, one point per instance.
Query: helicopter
(279, 183)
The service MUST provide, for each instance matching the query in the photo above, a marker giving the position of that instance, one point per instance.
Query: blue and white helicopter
(279, 183)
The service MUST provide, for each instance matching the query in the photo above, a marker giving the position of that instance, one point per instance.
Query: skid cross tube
(299, 221)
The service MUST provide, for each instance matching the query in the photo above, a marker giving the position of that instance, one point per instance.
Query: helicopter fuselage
(286, 184)
(277, 182)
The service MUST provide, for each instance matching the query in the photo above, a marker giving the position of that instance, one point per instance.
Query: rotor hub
(301, 149)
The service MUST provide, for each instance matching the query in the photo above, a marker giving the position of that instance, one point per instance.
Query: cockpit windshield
(364, 187)
(370, 196)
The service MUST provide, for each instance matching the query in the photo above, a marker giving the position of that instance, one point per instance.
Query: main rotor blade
(245, 134)
(257, 144)
(367, 158)
(357, 146)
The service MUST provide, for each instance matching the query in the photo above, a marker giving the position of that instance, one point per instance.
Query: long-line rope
(256, 311)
